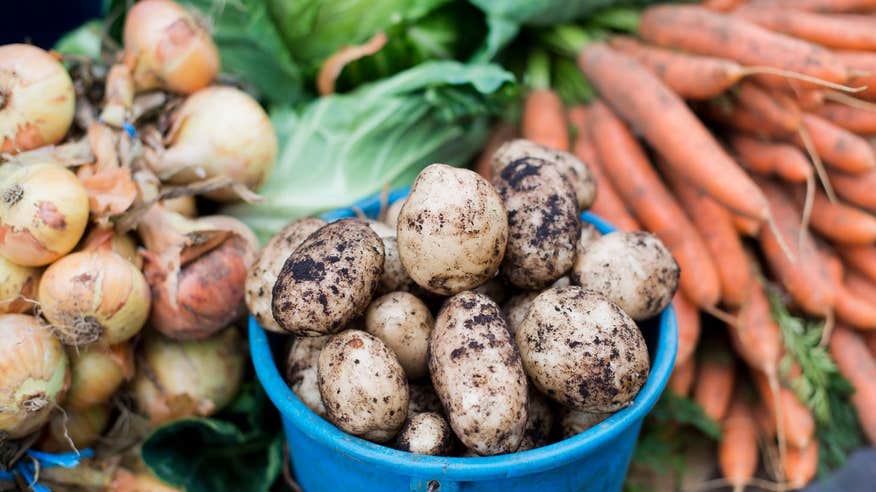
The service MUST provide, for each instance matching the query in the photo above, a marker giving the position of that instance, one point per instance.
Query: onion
(109, 241)
(181, 379)
(33, 374)
(92, 296)
(167, 48)
(219, 131)
(36, 98)
(183, 205)
(82, 428)
(143, 481)
(43, 213)
(96, 373)
(18, 287)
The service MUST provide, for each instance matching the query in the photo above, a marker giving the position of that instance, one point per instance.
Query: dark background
(42, 22)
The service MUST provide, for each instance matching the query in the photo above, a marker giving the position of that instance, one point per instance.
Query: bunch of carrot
(743, 134)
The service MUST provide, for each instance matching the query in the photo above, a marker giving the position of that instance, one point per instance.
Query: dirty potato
(516, 308)
(262, 276)
(301, 371)
(582, 350)
(404, 324)
(423, 399)
(588, 235)
(477, 373)
(543, 223)
(363, 386)
(425, 433)
(539, 422)
(574, 422)
(392, 213)
(452, 230)
(394, 277)
(573, 169)
(633, 269)
(495, 288)
(329, 279)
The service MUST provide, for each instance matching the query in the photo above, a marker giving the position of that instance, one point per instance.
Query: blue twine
(27, 467)
(129, 128)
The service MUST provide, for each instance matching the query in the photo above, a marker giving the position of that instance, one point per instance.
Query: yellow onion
(96, 373)
(166, 47)
(142, 481)
(94, 295)
(43, 213)
(18, 287)
(219, 131)
(82, 428)
(108, 240)
(33, 374)
(182, 379)
(183, 205)
(36, 98)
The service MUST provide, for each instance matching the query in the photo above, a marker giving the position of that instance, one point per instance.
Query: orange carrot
(840, 222)
(827, 6)
(860, 258)
(804, 275)
(850, 32)
(771, 158)
(722, 5)
(731, 114)
(737, 452)
(808, 99)
(756, 336)
(870, 339)
(856, 363)
(745, 226)
(853, 119)
(800, 465)
(713, 388)
(854, 310)
(856, 189)
(765, 422)
(840, 149)
(795, 417)
(682, 377)
(608, 203)
(860, 285)
(544, 120)
(671, 128)
(698, 30)
(688, 318)
(862, 71)
(716, 228)
(773, 108)
(640, 187)
(502, 132)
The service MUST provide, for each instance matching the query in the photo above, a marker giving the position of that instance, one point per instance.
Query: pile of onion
(73, 430)
(96, 373)
(18, 287)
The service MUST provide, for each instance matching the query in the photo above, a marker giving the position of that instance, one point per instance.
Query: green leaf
(341, 148)
(82, 41)
(675, 409)
(239, 449)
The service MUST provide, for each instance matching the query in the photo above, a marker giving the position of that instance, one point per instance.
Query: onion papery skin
(219, 131)
(43, 213)
(97, 372)
(37, 99)
(123, 245)
(94, 296)
(182, 379)
(18, 287)
(167, 48)
(34, 373)
(83, 427)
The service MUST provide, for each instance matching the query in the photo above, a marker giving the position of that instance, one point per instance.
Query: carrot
(628, 169)
(794, 417)
(682, 377)
(765, 422)
(608, 203)
(713, 388)
(771, 158)
(839, 222)
(856, 189)
(756, 336)
(716, 228)
(860, 258)
(840, 149)
(544, 120)
(800, 465)
(842, 32)
(688, 318)
(853, 119)
(808, 99)
(773, 108)
(501, 133)
(689, 76)
(733, 115)
(820, 5)
(856, 363)
(671, 128)
(854, 310)
(698, 30)
(870, 339)
(722, 5)
(860, 285)
(737, 452)
(862, 71)
(745, 226)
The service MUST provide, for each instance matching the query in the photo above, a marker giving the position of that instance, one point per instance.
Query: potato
(392, 213)
(633, 269)
(477, 373)
(404, 324)
(539, 422)
(302, 364)
(574, 422)
(588, 235)
(379, 228)
(582, 350)
(425, 433)
(452, 230)
(262, 276)
(363, 386)
(394, 277)
(329, 279)
(423, 399)
(543, 223)
(516, 308)
(573, 169)
(495, 288)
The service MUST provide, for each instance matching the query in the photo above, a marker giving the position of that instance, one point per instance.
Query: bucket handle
(433, 485)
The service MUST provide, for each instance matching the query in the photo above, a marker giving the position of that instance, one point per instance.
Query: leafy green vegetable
(82, 41)
(239, 449)
(344, 147)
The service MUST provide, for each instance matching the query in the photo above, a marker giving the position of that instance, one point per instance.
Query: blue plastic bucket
(327, 459)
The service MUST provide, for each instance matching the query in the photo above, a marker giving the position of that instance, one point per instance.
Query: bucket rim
(555, 455)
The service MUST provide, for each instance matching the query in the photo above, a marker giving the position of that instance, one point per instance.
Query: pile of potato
(534, 334)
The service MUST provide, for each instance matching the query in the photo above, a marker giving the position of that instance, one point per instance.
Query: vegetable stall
(178, 176)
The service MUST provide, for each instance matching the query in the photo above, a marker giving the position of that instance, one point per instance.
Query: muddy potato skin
(543, 223)
(301, 371)
(574, 422)
(582, 350)
(573, 169)
(588, 235)
(425, 433)
(516, 308)
(394, 277)
(452, 230)
(477, 374)
(539, 422)
(329, 279)
(263, 274)
(423, 399)
(391, 218)
(404, 324)
(496, 289)
(363, 386)
(633, 269)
